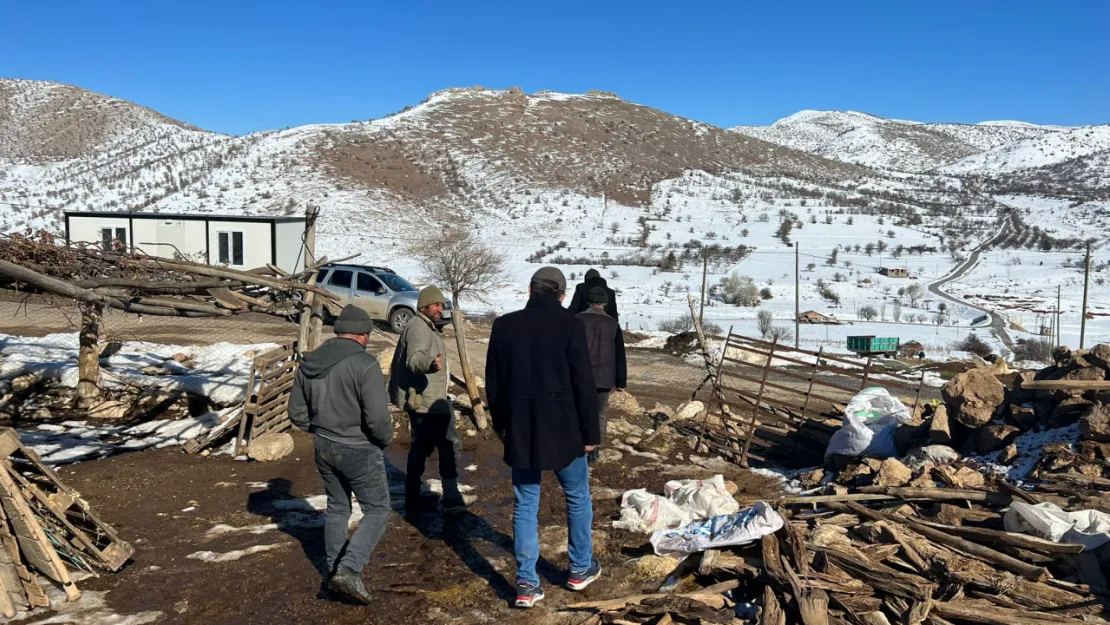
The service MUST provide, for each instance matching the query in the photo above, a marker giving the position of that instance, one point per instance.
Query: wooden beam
(1066, 385)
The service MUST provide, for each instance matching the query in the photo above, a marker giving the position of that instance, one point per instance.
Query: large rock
(619, 428)
(1008, 455)
(1023, 416)
(939, 430)
(995, 437)
(624, 403)
(606, 455)
(1100, 356)
(962, 478)
(1068, 412)
(973, 397)
(662, 412)
(893, 473)
(1094, 425)
(689, 410)
(811, 479)
(856, 475)
(24, 382)
(272, 446)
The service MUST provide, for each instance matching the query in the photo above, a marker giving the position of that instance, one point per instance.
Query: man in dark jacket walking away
(418, 379)
(339, 396)
(606, 343)
(543, 401)
(579, 303)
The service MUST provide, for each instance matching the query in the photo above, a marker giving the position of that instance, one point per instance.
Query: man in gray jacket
(339, 396)
(418, 380)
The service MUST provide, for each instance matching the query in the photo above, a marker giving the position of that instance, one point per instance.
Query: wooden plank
(1012, 539)
(274, 392)
(755, 409)
(224, 298)
(34, 595)
(9, 442)
(33, 542)
(269, 376)
(1066, 385)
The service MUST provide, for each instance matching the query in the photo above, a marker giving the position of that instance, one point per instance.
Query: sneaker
(580, 580)
(349, 584)
(527, 595)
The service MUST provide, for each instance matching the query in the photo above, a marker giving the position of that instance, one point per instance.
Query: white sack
(1089, 528)
(682, 502)
(741, 528)
(870, 420)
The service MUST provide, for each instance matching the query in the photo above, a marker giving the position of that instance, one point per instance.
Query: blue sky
(238, 67)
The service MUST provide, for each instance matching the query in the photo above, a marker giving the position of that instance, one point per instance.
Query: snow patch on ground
(91, 609)
(231, 556)
(1030, 446)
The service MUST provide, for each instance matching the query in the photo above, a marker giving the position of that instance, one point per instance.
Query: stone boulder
(855, 475)
(1099, 356)
(1023, 416)
(939, 430)
(811, 479)
(24, 382)
(1008, 455)
(605, 455)
(624, 403)
(962, 478)
(1068, 412)
(689, 410)
(1094, 425)
(995, 437)
(893, 473)
(272, 446)
(662, 412)
(973, 397)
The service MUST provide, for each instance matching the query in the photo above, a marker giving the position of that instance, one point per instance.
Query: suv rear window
(341, 278)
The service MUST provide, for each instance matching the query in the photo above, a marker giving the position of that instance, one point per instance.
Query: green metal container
(865, 345)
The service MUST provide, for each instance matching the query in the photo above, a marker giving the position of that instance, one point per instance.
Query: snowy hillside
(887, 143)
(582, 181)
(1048, 149)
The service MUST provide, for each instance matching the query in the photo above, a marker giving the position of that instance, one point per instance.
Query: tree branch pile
(143, 284)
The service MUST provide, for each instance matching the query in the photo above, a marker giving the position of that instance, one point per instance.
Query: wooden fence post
(88, 357)
(459, 323)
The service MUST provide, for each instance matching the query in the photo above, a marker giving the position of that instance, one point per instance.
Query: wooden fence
(773, 400)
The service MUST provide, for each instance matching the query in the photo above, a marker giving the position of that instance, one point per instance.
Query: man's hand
(590, 448)
(437, 364)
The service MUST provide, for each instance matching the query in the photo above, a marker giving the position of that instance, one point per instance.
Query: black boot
(349, 584)
(414, 505)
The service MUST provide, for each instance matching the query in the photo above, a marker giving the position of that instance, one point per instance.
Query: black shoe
(527, 595)
(579, 580)
(349, 584)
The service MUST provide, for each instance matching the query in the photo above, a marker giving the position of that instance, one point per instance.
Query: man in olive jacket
(418, 379)
(543, 401)
(339, 396)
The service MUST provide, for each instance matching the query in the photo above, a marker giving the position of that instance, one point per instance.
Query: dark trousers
(432, 432)
(348, 469)
(602, 406)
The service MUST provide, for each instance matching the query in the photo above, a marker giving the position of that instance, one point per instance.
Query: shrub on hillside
(975, 345)
(1039, 350)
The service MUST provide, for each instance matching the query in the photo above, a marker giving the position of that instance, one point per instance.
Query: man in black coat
(543, 402)
(579, 302)
(606, 343)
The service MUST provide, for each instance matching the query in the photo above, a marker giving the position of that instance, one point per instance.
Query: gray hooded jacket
(339, 394)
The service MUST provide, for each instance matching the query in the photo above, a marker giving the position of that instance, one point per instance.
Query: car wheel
(399, 318)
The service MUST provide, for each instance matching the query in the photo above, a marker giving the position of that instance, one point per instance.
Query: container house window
(231, 248)
(112, 239)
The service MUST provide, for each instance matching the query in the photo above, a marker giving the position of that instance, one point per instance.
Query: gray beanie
(550, 278)
(597, 295)
(353, 320)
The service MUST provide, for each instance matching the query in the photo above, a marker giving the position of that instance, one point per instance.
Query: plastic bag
(870, 421)
(682, 502)
(1090, 528)
(741, 528)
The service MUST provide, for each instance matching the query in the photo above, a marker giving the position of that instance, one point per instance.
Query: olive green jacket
(412, 384)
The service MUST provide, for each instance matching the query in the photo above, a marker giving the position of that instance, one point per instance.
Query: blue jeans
(575, 480)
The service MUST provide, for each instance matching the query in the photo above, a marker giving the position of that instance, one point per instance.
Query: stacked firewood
(149, 285)
(885, 556)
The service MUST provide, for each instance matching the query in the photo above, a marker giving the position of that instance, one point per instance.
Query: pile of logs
(881, 557)
(149, 285)
(46, 529)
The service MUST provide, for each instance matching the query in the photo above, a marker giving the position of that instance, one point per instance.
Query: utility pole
(797, 298)
(1056, 330)
(704, 277)
(1086, 284)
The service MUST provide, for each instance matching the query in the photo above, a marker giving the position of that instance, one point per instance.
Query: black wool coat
(540, 386)
(606, 342)
(579, 302)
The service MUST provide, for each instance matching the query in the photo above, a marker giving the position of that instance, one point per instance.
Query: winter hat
(593, 273)
(597, 295)
(353, 320)
(550, 278)
(430, 295)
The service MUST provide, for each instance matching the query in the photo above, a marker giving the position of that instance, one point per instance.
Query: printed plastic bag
(870, 421)
(701, 498)
(1090, 528)
(642, 511)
(741, 528)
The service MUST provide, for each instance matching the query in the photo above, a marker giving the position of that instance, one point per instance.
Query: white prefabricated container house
(240, 241)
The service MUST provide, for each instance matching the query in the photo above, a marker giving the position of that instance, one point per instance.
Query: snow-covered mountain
(890, 143)
(575, 180)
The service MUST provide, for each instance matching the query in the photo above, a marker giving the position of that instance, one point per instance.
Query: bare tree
(765, 321)
(896, 313)
(915, 292)
(867, 313)
(456, 260)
